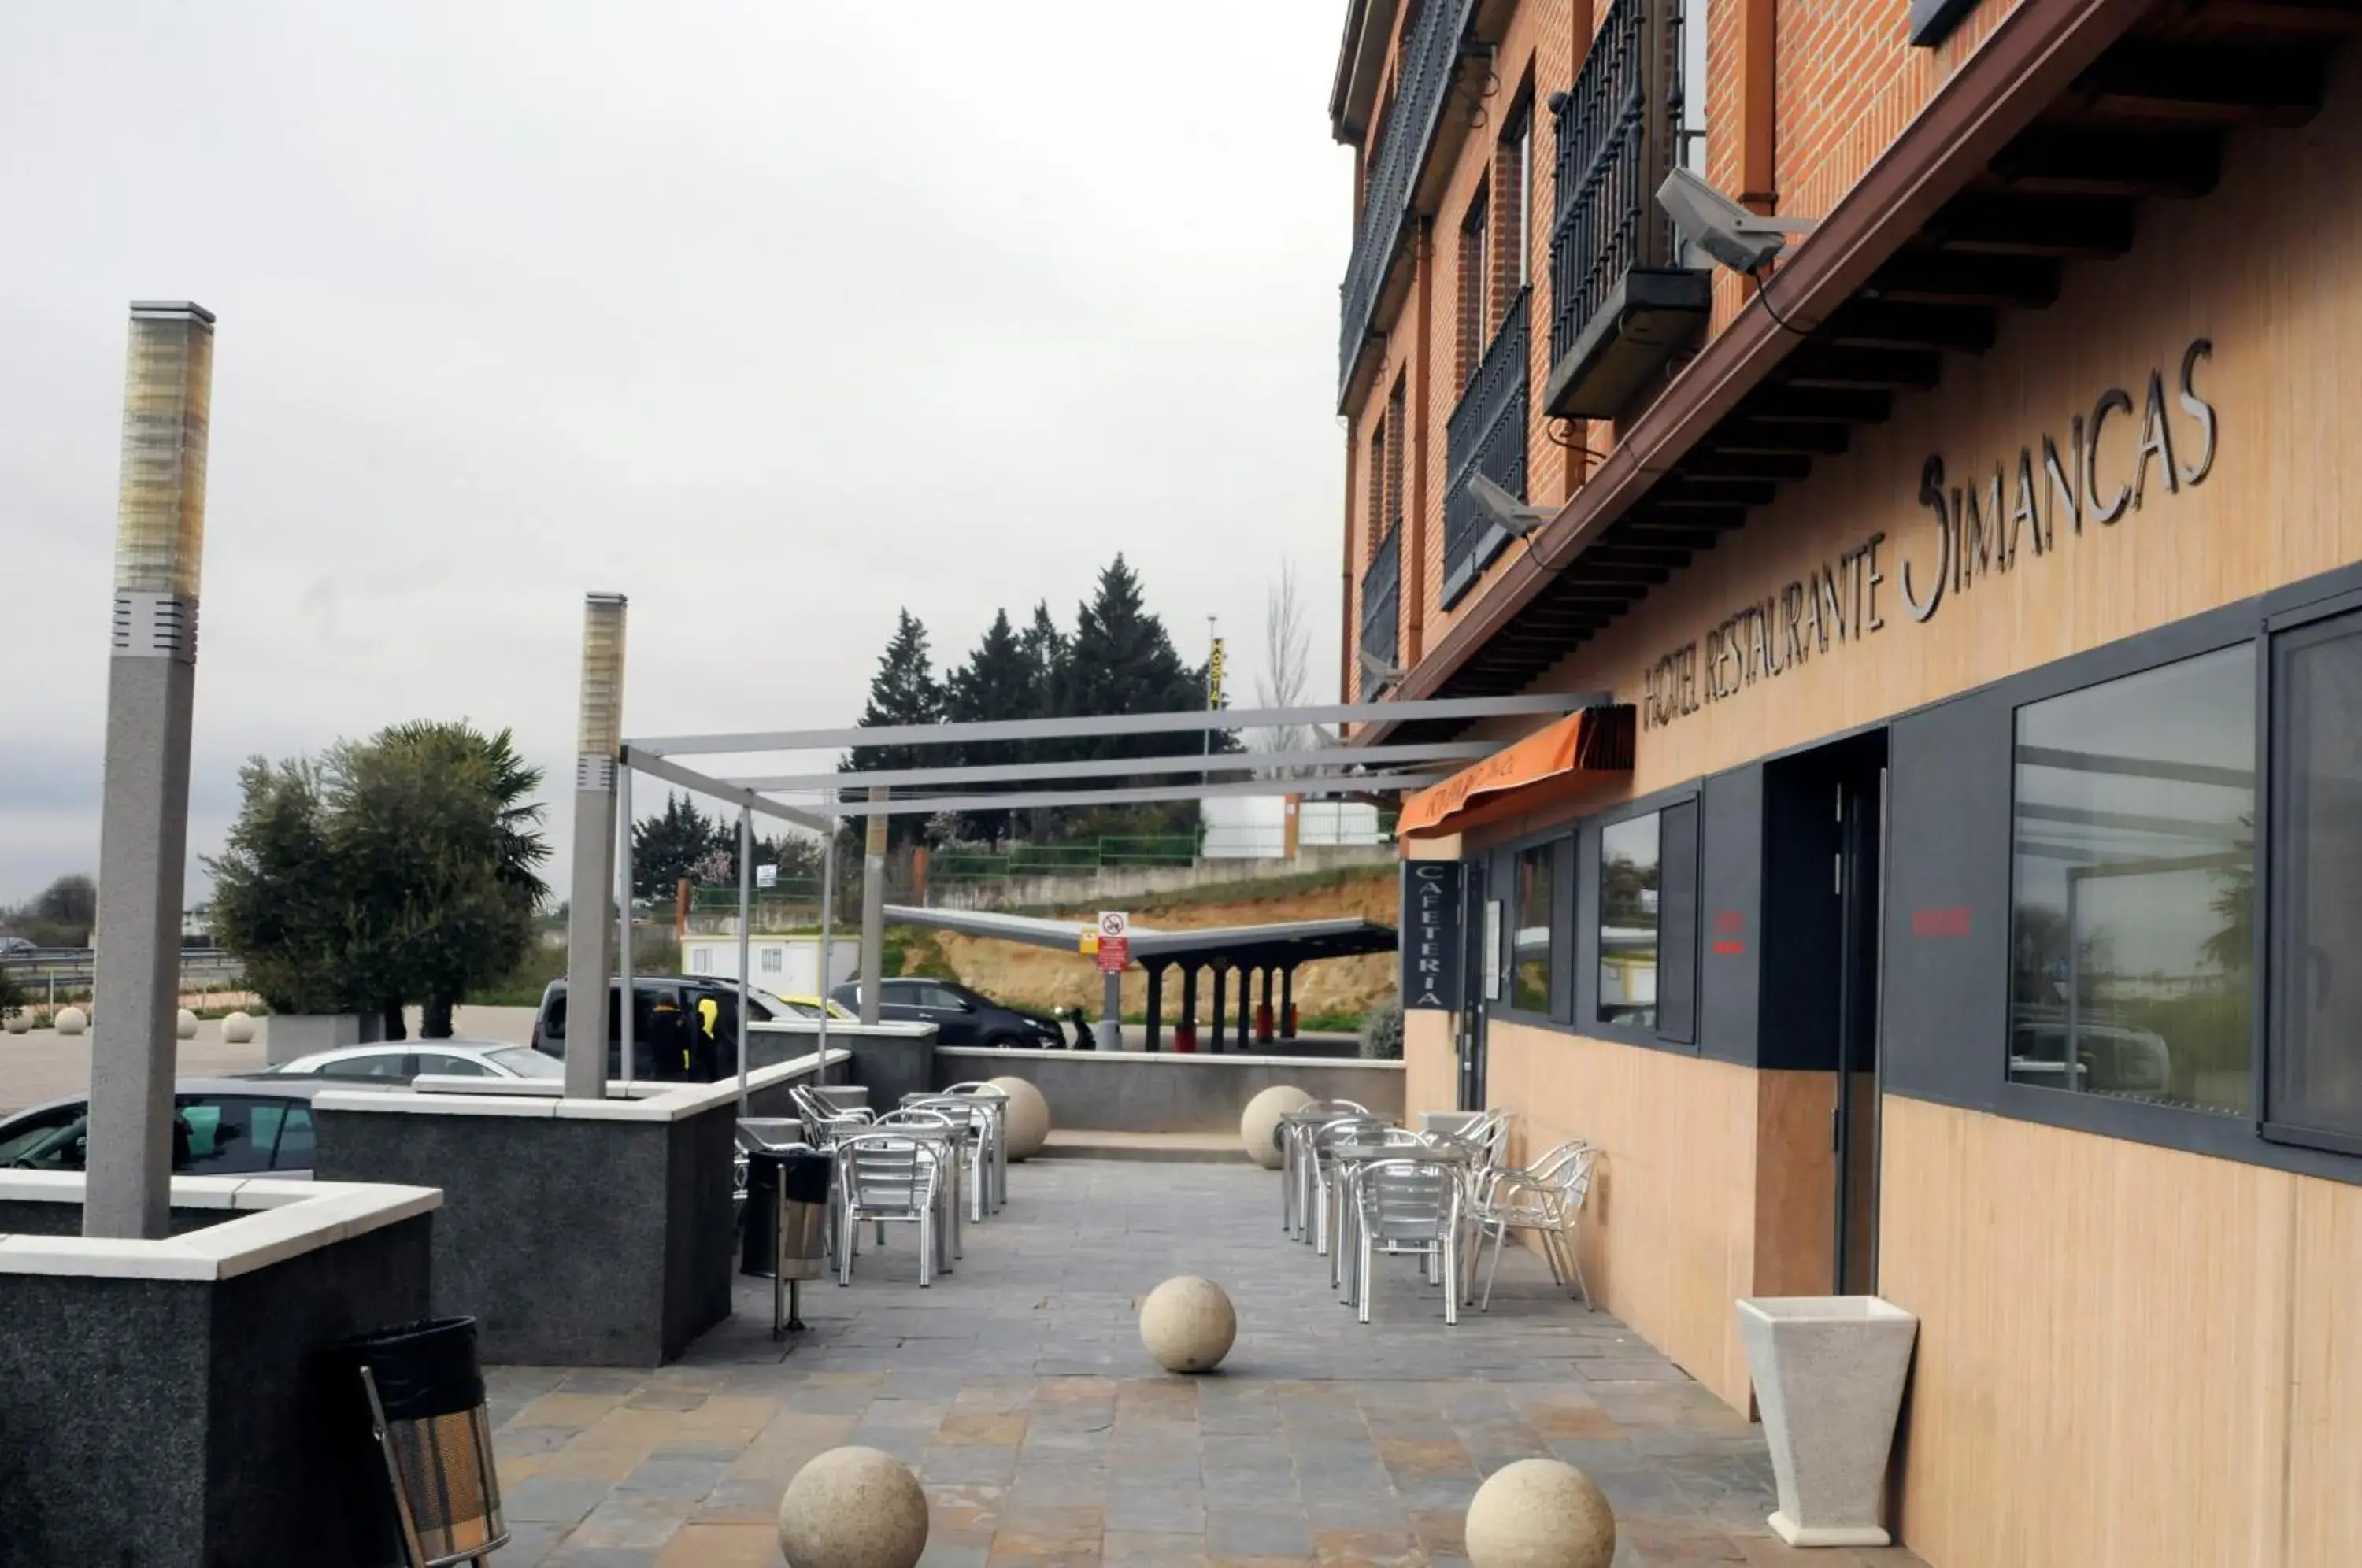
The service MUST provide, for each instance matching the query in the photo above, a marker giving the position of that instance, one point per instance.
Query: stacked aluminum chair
(996, 1099)
(979, 1120)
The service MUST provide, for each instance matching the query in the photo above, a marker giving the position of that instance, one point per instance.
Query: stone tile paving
(1017, 1388)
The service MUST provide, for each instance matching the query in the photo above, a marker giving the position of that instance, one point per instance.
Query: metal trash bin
(426, 1388)
(787, 1226)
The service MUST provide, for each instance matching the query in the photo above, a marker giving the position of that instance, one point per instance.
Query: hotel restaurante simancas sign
(1975, 524)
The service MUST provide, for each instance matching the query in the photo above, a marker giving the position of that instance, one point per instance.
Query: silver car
(399, 1061)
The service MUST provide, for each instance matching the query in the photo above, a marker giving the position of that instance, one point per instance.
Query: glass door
(1860, 888)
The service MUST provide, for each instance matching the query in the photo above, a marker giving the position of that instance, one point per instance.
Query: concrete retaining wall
(1134, 1091)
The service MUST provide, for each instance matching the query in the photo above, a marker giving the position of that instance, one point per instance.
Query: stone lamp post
(159, 532)
(589, 951)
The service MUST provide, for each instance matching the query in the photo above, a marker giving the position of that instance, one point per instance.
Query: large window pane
(2316, 1071)
(1627, 921)
(2132, 932)
(1529, 942)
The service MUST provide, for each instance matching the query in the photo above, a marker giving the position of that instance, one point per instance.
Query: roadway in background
(45, 1064)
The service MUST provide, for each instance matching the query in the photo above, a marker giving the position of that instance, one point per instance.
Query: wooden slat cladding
(2127, 1355)
(1668, 1238)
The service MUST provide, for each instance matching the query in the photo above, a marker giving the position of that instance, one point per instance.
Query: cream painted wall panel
(2324, 1472)
(1668, 1238)
(2108, 1333)
(1430, 1065)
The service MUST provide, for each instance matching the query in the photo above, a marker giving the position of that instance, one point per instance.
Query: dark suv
(669, 1037)
(961, 1017)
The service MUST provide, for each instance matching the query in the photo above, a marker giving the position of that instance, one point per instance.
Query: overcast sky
(774, 315)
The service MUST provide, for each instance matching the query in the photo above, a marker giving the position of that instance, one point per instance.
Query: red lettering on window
(1952, 920)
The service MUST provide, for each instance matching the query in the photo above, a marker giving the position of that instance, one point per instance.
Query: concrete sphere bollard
(19, 1023)
(854, 1508)
(237, 1029)
(1539, 1513)
(184, 1027)
(1189, 1324)
(1029, 1117)
(1259, 1123)
(71, 1021)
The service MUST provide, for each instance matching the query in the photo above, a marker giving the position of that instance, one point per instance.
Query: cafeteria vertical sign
(1430, 934)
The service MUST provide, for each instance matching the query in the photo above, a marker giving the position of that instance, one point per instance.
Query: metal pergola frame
(887, 792)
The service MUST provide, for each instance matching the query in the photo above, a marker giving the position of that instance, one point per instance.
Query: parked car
(961, 1016)
(807, 1006)
(397, 1062)
(668, 1025)
(220, 1127)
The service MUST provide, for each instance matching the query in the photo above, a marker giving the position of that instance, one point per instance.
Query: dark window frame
(2261, 646)
(1575, 945)
(1549, 854)
(2251, 1140)
(2270, 751)
(1501, 866)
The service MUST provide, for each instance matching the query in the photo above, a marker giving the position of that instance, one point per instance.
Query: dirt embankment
(1043, 978)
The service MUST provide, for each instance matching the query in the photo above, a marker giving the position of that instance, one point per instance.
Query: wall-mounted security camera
(1740, 239)
(1513, 517)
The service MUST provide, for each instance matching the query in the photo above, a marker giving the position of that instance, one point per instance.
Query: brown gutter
(1348, 636)
(2032, 57)
(1411, 549)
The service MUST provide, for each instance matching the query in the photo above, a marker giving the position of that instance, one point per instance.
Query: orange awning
(1593, 740)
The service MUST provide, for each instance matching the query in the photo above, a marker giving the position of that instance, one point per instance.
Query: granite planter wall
(577, 1232)
(888, 1059)
(181, 1401)
(1141, 1091)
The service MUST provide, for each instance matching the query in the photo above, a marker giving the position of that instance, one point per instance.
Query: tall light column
(872, 906)
(589, 954)
(827, 932)
(745, 923)
(160, 535)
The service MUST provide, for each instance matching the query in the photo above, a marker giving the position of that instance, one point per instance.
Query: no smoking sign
(1115, 940)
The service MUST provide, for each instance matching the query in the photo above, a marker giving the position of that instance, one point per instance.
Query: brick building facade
(1968, 919)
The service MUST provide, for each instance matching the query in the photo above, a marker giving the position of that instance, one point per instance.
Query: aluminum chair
(1320, 1168)
(825, 1122)
(1340, 1216)
(1546, 1198)
(1295, 1141)
(998, 1098)
(977, 1150)
(885, 1177)
(1409, 1205)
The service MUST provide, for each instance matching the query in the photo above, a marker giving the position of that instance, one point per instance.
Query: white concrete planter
(287, 1035)
(1828, 1375)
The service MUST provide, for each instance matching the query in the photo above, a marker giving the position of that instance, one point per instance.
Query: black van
(668, 1033)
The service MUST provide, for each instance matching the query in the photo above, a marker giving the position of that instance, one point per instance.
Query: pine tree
(903, 691)
(998, 682)
(1123, 662)
(666, 847)
(1046, 650)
